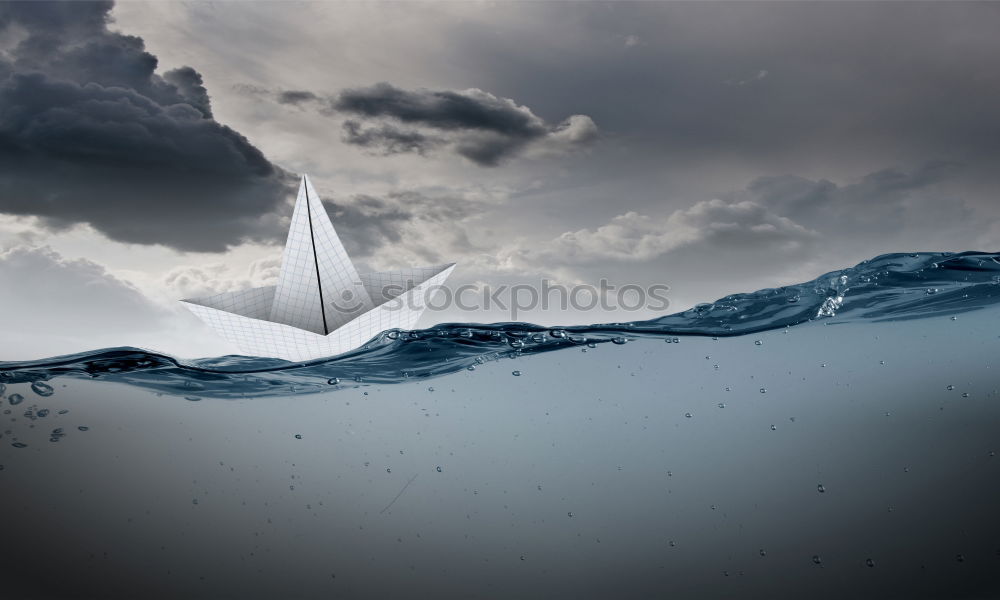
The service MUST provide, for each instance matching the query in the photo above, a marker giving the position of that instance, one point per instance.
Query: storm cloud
(91, 134)
(481, 127)
(477, 125)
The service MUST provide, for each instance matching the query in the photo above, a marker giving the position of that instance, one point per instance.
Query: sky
(150, 151)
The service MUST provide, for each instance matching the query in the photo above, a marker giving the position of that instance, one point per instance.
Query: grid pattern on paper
(383, 286)
(287, 320)
(402, 313)
(343, 293)
(312, 238)
(296, 299)
(256, 337)
(254, 302)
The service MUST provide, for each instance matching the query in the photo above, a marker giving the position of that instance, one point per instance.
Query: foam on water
(891, 287)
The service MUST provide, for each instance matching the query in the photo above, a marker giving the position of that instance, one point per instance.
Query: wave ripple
(891, 287)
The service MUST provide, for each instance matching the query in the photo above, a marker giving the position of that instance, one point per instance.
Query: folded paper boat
(321, 306)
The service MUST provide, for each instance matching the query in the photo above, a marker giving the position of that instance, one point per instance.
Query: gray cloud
(193, 281)
(66, 305)
(89, 133)
(189, 83)
(296, 97)
(446, 110)
(387, 139)
(777, 230)
(880, 203)
(403, 225)
(483, 128)
(635, 238)
(67, 296)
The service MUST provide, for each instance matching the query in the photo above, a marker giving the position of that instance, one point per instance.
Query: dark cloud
(481, 127)
(89, 133)
(447, 110)
(296, 97)
(387, 139)
(189, 83)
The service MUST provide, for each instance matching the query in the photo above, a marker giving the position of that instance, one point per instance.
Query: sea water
(835, 439)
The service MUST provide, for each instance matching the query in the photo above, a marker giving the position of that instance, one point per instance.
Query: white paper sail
(321, 306)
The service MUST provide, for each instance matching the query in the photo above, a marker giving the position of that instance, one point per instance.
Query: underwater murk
(834, 439)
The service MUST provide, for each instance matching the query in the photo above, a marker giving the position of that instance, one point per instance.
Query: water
(397, 471)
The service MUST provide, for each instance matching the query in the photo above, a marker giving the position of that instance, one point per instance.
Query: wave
(891, 287)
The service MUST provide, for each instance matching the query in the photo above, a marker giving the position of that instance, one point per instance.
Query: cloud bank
(91, 134)
(777, 228)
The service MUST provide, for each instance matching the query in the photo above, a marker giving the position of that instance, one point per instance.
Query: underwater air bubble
(42, 389)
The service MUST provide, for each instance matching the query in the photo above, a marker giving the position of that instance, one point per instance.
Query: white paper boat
(320, 306)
